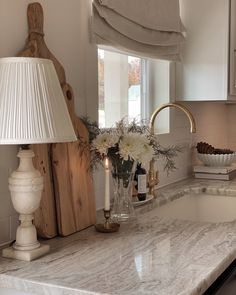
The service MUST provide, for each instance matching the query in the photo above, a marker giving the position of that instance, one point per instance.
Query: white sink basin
(200, 207)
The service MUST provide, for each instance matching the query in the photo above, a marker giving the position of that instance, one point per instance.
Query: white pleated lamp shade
(32, 105)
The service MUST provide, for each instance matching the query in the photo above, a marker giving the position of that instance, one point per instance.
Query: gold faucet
(153, 176)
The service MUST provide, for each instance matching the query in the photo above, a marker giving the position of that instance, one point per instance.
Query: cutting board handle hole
(69, 95)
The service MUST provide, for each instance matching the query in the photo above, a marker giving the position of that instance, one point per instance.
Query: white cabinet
(207, 70)
(232, 49)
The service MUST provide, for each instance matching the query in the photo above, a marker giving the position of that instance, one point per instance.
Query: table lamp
(32, 111)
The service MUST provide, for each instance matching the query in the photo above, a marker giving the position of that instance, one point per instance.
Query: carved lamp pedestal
(26, 185)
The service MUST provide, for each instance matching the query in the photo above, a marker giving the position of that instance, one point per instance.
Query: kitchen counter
(149, 256)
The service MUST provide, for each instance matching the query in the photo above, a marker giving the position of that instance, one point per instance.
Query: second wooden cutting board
(73, 185)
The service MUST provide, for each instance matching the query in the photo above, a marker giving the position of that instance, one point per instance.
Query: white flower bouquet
(126, 144)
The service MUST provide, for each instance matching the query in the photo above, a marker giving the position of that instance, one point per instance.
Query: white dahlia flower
(104, 141)
(129, 148)
(147, 154)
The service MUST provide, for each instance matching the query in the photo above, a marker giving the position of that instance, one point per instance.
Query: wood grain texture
(68, 202)
(72, 180)
(45, 218)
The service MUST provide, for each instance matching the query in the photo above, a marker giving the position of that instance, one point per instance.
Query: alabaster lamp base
(25, 255)
(26, 185)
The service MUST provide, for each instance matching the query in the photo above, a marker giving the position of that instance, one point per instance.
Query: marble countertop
(148, 256)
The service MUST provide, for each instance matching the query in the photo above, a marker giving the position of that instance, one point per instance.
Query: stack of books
(211, 172)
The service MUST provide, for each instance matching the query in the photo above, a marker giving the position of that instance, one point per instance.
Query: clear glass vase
(123, 174)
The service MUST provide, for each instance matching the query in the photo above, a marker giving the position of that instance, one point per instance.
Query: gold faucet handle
(153, 179)
(152, 182)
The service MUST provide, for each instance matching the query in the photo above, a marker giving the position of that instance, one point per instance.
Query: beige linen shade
(160, 15)
(113, 38)
(150, 28)
(135, 31)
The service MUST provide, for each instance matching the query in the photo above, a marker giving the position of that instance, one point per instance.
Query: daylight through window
(121, 87)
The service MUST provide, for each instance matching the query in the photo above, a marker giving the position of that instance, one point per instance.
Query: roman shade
(150, 28)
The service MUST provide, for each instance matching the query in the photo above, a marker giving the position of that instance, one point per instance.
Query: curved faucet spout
(178, 106)
(153, 177)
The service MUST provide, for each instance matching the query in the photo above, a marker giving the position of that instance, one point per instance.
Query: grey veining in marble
(149, 256)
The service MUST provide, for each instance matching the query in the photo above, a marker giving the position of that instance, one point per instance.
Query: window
(134, 87)
(122, 87)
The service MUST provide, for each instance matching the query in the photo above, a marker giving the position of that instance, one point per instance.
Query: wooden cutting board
(45, 218)
(68, 202)
(72, 180)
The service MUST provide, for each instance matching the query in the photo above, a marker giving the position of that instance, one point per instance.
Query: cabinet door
(232, 52)
(203, 73)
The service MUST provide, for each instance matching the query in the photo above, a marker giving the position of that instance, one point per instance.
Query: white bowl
(217, 160)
